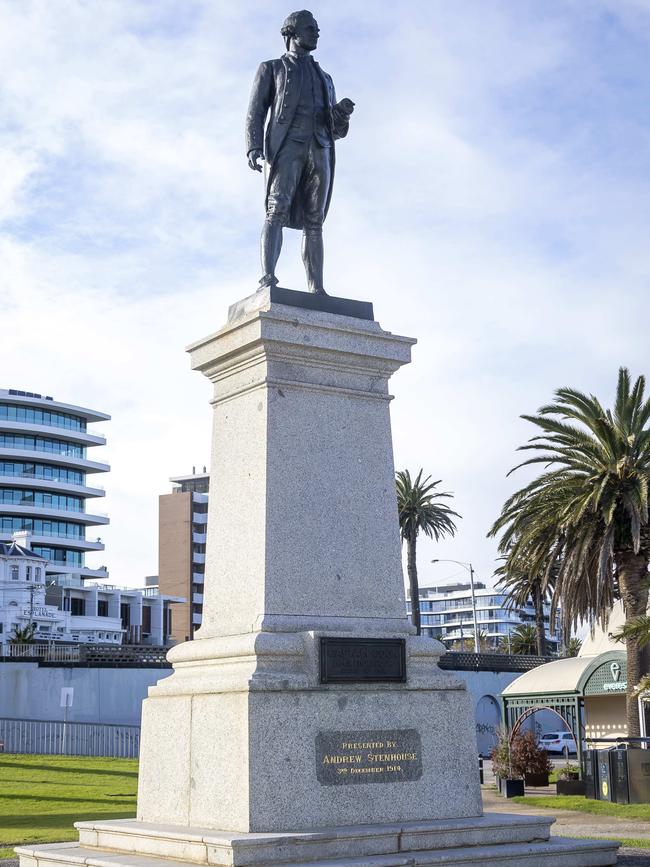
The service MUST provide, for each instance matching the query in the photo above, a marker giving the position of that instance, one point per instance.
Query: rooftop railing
(456, 661)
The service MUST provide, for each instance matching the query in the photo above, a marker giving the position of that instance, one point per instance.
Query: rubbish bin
(638, 775)
(589, 773)
(618, 770)
(603, 777)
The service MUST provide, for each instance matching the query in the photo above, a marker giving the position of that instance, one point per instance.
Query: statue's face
(307, 34)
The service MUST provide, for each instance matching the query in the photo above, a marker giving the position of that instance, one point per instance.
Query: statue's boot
(312, 256)
(270, 247)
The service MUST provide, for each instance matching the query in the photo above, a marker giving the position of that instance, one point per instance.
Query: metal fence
(491, 661)
(58, 738)
(92, 655)
(48, 652)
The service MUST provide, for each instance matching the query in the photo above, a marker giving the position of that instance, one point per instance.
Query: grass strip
(42, 796)
(580, 804)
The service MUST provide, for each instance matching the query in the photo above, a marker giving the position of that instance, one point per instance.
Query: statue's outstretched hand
(253, 156)
(346, 105)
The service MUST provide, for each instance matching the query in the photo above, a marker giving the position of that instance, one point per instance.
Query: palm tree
(573, 646)
(523, 585)
(420, 507)
(23, 635)
(523, 640)
(586, 515)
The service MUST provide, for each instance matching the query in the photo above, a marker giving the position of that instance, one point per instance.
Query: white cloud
(482, 202)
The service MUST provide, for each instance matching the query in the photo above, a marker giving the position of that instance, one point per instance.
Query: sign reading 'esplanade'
(368, 757)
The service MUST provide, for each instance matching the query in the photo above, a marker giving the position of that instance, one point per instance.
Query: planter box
(511, 788)
(570, 787)
(536, 779)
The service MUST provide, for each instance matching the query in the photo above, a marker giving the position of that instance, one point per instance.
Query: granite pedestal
(253, 753)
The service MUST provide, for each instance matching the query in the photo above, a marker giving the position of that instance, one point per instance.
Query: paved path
(571, 824)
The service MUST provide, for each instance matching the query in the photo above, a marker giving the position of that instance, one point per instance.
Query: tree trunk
(538, 602)
(632, 580)
(412, 569)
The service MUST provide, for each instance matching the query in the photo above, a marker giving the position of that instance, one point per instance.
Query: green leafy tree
(421, 508)
(586, 514)
(466, 645)
(637, 628)
(523, 585)
(523, 640)
(572, 647)
(24, 634)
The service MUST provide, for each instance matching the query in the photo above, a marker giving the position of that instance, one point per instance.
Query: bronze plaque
(368, 757)
(362, 660)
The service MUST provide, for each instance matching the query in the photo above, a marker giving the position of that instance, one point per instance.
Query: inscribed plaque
(393, 756)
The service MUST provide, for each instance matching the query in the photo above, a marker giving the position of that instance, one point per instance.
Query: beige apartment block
(182, 521)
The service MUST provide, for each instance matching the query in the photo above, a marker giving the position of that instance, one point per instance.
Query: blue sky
(491, 199)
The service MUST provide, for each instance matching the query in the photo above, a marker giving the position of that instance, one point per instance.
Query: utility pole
(469, 568)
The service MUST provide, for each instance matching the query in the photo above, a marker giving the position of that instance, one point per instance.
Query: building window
(31, 415)
(24, 469)
(125, 614)
(102, 607)
(59, 555)
(37, 573)
(77, 606)
(14, 573)
(28, 573)
(146, 620)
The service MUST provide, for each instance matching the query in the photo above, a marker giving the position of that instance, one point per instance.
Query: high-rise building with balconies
(182, 524)
(47, 481)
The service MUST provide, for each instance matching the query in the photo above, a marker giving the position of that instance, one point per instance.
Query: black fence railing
(146, 656)
(455, 661)
(89, 655)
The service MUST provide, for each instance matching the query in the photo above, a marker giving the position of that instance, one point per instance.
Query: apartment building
(182, 523)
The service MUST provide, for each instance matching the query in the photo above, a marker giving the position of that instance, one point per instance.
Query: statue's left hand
(346, 105)
(253, 156)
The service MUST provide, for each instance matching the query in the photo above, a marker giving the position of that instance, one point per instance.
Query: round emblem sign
(605, 788)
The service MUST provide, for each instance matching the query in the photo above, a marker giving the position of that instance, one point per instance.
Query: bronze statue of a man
(298, 148)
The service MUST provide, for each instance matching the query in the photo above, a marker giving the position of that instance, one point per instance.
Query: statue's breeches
(303, 170)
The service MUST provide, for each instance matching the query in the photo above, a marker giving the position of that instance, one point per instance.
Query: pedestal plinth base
(496, 839)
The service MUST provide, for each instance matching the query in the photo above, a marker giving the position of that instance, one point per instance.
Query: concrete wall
(485, 688)
(115, 695)
(108, 695)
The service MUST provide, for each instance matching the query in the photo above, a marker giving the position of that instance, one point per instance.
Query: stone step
(555, 852)
(204, 846)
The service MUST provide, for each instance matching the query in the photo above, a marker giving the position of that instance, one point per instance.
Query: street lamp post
(470, 569)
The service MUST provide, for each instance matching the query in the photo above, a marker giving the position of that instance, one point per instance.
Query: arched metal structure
(561, 686)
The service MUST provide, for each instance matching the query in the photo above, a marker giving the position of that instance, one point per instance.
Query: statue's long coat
(277, 87)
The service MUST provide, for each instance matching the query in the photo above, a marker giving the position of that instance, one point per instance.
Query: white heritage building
(65, 609)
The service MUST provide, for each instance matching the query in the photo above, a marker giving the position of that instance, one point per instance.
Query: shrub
(500, 756)
(569, 772)
(526, 757)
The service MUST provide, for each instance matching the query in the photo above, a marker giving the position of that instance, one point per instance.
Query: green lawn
(586, 805)
(42, 796)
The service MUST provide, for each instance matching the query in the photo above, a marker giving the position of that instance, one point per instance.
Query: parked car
(558, 742)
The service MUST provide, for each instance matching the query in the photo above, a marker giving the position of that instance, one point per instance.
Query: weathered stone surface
(503, 840)
(251, 761)
(303, 517)
(303, 543)
(307, 300)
